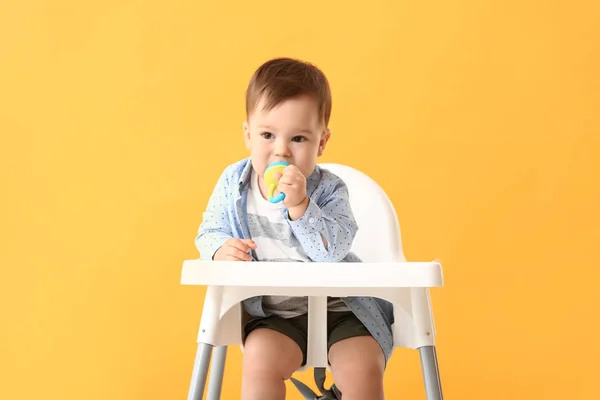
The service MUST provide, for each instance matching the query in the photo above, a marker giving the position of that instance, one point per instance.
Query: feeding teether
(271, 182)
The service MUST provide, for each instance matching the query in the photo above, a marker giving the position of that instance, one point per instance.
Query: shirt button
(311, 220)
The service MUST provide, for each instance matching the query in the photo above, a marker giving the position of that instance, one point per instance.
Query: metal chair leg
(200, 371)
(431, 373)
(217, 369)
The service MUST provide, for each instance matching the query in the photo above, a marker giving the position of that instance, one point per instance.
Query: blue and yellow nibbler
(272, 183)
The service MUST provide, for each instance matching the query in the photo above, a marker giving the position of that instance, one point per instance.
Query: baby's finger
(290, 169)
(249, 242)
(236, 253)
(233, 258)
(287, 180)
(238, 244)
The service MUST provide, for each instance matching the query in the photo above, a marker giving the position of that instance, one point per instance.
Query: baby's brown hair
(280, 79)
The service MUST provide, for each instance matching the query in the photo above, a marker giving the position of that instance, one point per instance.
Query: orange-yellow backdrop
(480, 119)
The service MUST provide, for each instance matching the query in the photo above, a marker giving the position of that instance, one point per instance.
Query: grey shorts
(340, 325)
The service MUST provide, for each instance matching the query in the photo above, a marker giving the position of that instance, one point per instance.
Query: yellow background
(116, 118)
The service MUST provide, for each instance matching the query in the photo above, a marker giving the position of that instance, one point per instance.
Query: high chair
(384, 273)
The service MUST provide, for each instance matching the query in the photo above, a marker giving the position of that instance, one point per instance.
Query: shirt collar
(245, 176)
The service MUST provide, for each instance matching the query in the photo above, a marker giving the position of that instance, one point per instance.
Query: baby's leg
(357, 360)
(270, 358)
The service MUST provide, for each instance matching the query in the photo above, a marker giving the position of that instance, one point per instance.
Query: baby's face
(291, 132)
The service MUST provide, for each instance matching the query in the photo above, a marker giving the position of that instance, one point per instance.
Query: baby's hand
(293, 184)
(235, 250)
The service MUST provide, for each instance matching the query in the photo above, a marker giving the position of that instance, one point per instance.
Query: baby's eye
(298, 139)
(267, 135)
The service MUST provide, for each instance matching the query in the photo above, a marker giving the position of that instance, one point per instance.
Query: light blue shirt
(328, 214)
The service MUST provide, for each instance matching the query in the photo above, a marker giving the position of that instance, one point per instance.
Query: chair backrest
(378, 238)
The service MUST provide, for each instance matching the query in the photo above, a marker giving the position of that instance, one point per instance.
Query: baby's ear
(246, 134)
(323, 142)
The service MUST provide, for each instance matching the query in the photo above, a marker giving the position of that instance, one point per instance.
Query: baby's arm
(215, 228)
(327, 230)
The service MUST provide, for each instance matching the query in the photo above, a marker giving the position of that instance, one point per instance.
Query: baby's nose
(282, 150)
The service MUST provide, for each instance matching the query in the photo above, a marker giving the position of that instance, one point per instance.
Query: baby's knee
(359, 372)
(270, 354)
(358, 365)
(360, 380)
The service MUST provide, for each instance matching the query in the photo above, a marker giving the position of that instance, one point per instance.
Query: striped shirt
(275, 241)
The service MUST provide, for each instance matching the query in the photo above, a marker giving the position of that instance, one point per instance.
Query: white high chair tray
(314, 274)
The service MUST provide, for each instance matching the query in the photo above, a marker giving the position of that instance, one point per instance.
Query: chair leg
(431, 373)
(217, 369)
(200, 371)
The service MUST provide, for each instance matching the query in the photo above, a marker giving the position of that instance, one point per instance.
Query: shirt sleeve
(332, 218)
(215, 228)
